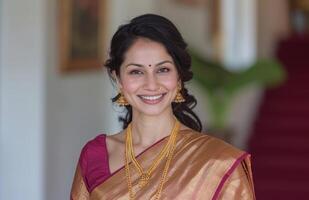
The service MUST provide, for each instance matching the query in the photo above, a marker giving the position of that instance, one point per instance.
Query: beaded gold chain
(167, 152)
(144, 176)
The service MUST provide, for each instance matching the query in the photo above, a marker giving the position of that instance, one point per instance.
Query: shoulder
(213, 146)
(92, 150)
(93, 161)
(222, 161)
(94, 143)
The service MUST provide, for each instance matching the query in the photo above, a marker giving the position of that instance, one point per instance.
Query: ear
(117, 80)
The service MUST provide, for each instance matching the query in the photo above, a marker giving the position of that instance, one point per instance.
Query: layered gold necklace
(144, 176)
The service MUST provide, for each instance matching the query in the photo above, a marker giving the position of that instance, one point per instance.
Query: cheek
(170, 82)
(170, 85)
(130, 88)
(130, 85)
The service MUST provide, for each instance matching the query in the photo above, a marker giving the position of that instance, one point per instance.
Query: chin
(154, 110)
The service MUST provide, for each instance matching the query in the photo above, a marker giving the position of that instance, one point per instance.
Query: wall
(273, 25)
(192, 22)
(22, 107)
(1, 150)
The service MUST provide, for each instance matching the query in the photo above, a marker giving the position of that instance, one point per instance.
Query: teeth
(152, 97)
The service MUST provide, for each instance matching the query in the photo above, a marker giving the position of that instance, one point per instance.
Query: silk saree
(203, 167)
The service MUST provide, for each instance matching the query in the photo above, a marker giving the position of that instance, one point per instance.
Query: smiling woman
(155, 85)
(161, 151)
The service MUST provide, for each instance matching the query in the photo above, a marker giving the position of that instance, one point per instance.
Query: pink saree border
(227, 175)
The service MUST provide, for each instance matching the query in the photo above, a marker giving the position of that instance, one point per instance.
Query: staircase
(280, 141)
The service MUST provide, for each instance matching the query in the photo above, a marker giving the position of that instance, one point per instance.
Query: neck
(146, 130)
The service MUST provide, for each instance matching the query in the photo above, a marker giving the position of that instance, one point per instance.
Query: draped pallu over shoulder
(203, 167)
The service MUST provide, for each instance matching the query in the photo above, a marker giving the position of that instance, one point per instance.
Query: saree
(202, 167)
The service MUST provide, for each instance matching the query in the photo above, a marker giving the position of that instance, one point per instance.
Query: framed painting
(192, 2)
(82, 25)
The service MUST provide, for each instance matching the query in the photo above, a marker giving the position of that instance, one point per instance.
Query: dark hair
(161, 30)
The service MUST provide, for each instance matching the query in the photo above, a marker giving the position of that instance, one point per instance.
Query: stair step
(295, 66)
(296, 72)
(286, 97)
(297, 55)
(287, 144)
(282, 185)
(272, 159)
(277, 131)
(281, 174)
(280, 119)
(290, 112)
(299, 88)
(287, 93)
(275, 151)
(281, 190)
(284, 106)
(284, 123)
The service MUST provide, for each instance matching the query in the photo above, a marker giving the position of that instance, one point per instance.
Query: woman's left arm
(79, 190)
(240, 184)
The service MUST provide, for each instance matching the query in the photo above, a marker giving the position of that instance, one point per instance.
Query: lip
(152, 99)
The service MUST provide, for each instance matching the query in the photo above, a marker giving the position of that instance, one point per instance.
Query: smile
(151, 99)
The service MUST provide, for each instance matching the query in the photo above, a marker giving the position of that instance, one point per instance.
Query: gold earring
(179, 98)
(121, 101)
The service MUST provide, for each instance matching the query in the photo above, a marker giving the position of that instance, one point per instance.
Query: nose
(151, 83)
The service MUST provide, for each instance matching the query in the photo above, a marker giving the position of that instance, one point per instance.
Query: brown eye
(163, 70)
(135, 72)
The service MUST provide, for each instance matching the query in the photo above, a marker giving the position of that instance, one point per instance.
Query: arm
(79, 190)
(240, 184)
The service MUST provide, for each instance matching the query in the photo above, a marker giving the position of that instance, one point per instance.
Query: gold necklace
(145, 176)
(167, 152)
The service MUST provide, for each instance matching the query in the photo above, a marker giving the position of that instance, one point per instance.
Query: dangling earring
(179, 98)
(121, 101)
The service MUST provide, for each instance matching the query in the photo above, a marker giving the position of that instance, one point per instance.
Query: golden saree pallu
(202, 167)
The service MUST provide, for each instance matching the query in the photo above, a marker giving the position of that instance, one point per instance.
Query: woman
(161, 153)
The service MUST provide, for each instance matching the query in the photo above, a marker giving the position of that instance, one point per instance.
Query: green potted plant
(221, 85)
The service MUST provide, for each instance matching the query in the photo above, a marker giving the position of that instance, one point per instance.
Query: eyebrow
(140, 65)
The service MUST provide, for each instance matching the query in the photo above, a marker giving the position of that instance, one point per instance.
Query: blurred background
(250, 58)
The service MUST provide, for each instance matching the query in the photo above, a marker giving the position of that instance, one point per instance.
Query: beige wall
(193, 23)
(22, 99)
(273, 24)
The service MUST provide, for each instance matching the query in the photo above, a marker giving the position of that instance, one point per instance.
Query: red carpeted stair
(280, 141)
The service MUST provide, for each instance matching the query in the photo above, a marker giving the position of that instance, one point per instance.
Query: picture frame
(82, 27)
(191, 2)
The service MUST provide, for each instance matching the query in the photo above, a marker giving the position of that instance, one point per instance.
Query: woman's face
(148, 77)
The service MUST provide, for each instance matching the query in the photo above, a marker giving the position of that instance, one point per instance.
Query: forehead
(145, 51)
